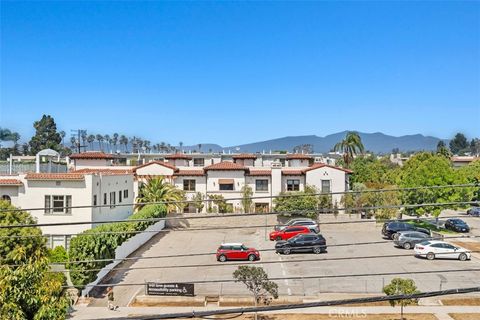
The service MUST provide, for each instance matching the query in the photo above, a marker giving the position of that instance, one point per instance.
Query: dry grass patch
(465, 316)
(301, 316)
(461, 302)
(473, 246)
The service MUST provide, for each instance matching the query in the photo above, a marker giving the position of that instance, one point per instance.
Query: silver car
(309, 223)
(408, 239)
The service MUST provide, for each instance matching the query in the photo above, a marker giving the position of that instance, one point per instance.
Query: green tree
(471, 174)
(427, 169)
(303, 203)
(198, 200)
(350, 147)
(257, 282)
(157, 189)
(353, 198)
(443, 150)
(46, 135)
(247, 201)
(388, 197)
(475, 147)
(399, 286)
(220, 204)
(458, 144)
(369, 169)
(27, 289)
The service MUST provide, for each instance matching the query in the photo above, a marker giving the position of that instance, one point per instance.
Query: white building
(58, 195)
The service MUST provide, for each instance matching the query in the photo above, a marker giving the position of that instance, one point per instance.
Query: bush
(103, 245)
(302, 203)
(58, 254)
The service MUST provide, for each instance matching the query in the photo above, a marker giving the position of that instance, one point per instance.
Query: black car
(393, 227)
(457, 225)
(307, 242)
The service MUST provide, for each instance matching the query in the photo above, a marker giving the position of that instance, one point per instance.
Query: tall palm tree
(62, 135)
(124, 140)
(180, 144)
(115, 141)
(90, 140)
(350, 147)
(99, 138)
(84, 137)
(157, 189)
(108, 141)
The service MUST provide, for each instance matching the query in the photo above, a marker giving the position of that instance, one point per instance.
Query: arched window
(6, 198)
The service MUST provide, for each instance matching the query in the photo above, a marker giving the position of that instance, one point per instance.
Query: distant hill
(376, 142)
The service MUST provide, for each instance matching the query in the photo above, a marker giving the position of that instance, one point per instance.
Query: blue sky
(238, 72)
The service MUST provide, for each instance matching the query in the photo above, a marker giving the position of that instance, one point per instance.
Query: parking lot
(349, 260)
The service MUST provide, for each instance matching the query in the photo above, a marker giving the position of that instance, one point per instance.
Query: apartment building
(57, 195)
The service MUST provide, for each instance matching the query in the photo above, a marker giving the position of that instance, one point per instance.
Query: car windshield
(244, 247)
(458, 221)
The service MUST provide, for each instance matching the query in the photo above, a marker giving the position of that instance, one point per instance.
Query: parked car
(310, 242)
(236, 251)
(474, 212)
(288, 232)
(312, 225)
(433, 249)
(457, 225)
(408, 239)
(390, 229)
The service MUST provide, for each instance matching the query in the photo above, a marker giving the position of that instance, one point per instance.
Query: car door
(305, 243)
(450, 251)
(417, 238)
(237, 253)
(291, 232)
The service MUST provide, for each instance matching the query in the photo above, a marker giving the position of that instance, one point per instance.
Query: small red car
(236, 251)
(288, 232)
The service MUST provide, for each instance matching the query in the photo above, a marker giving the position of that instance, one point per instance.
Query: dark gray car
(408, 239)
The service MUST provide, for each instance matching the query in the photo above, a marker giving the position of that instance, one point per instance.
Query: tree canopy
(46, 135)
(350, 147)
(458, 144)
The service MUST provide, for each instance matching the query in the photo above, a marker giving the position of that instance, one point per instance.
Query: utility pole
(78, 135)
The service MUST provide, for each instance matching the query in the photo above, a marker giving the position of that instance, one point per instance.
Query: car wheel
(278, 238)
(407, 245)
(462, 257)
(222, 258)
(317, 250)
(430, 256)
(393, 235)
(286, 251)
(251, 257)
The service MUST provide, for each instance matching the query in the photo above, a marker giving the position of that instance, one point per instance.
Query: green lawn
(426, 225)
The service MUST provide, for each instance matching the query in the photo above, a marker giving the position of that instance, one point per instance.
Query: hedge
(102, 246)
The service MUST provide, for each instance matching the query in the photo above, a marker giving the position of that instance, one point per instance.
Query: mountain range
(375, 142)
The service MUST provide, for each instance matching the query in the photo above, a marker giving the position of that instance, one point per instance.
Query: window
(6, 198)
(125, 193)
(261, 207)
(119, 196)
(293, 185)
(198, 162)
(58, 204)
(225, 184)
(104, 199)
(189, 184)
(325, 186)
(112, 199)
(261, 185)
(94, 199)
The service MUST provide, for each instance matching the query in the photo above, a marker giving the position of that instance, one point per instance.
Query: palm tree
(73, 142)
(124, 140)
(199, 148)
(62, 135)
(108, 141)
(350, 147)
(157, 189)
(180, 144)
(99, 138)
(114, 141)
(90, 140)
(84, 139)
(163, 146)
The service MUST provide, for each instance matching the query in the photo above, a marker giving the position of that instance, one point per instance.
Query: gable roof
(10, 182)
(161, 163)
(91, 155)
(225, 165)
(322, 165)
(54, 176)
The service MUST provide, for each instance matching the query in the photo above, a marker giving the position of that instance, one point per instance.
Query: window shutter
(47, 204)
(68, 204)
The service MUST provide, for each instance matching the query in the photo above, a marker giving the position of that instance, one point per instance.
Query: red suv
(288, 232)
(236, 251)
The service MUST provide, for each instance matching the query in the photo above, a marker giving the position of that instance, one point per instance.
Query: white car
(432, 249)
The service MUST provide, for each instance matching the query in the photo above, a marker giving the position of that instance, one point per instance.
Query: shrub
(302, 203)
(57, 254)
(102, 245)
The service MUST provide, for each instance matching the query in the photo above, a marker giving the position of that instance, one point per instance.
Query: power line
(468, 185)
(289, 278)
(194, 313)
(419, 205)
(261, 262)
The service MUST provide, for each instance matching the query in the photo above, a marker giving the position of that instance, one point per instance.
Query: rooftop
(91, 155)
(225, 165)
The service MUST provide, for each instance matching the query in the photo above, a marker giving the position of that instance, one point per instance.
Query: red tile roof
(464, 159)
(178, 156)
(168, 165)
(298, 156)
(189, 173)
(10, 182)
(91, 155)
(225, 165)
(54, 176)
(244, 156)
(321, 165)
(292, 172)
(104, 171)
(260, 173)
